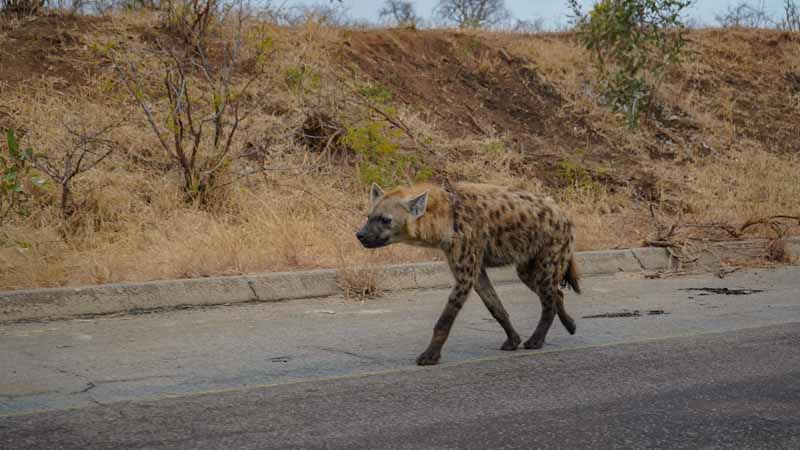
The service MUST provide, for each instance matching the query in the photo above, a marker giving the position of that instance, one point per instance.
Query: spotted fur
(479, 226)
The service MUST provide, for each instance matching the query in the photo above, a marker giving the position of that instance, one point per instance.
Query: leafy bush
(16, 171)
(376, 93)
(380, 159)
(632, 43)
(300, 79)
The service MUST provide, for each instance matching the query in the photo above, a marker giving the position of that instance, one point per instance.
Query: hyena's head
(389, 216)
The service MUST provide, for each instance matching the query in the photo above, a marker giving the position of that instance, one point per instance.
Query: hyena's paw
(511, 343)
(534, 343)
(428, 358)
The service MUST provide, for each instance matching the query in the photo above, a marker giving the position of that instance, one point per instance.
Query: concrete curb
(40, 304)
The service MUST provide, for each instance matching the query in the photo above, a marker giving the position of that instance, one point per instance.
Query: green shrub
(17, 174)
(632, 43)
(301, 78)
(380, 160)
(376, 93)
(577, 177)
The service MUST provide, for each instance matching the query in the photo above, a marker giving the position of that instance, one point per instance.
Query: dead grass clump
(359, 284)
(321, 133)
(778, 251)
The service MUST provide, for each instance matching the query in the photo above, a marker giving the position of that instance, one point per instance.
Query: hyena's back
(516, 227)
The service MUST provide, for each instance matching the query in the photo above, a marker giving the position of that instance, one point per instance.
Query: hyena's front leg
(442, 329)
(464, 274)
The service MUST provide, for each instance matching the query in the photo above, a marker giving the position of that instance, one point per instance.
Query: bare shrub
(331, 13)
(22, 7)
(87, 149)
(321, 133)
(744, 15)
(791, 18)
(472, 13)
(196, 125)
(198, 109)
(399, 12)
(192, 19)
(778, 251)
(536, 25)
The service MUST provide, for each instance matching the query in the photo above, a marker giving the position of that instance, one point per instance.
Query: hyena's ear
(375, 194)
(418, 204)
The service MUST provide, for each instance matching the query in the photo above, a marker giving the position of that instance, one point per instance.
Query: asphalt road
(715, 370)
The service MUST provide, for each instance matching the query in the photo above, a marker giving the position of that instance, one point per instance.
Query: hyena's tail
(572, 276)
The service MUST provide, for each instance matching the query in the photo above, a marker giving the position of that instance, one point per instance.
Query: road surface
(689, 362)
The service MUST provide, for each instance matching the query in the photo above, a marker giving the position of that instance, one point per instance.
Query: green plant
(16, 170)
(576, 176)
(423, 174)
(376, 93)
(472, 45)
(632, 43)
(494, 148)
(301, 78)
(380, 159)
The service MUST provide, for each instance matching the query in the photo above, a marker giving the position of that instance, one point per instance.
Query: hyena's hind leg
(492, 301)
(565, 318)
(541, 280)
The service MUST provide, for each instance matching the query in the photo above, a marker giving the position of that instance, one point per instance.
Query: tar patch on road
(723, 291)
(635, 313)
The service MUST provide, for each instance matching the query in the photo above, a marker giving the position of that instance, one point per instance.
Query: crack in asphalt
(636, 257)
(89, 386)
(344, 352)
(253, 290)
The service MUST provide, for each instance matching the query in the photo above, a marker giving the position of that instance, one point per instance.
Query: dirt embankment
(733, 85)
(473, 88)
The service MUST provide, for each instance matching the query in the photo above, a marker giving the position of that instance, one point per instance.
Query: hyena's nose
(361, 234)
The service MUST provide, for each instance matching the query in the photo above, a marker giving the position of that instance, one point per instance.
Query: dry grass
(133, 224)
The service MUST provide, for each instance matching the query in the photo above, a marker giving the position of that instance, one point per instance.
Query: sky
(552, 11)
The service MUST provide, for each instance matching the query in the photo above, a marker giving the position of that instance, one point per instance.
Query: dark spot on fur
(543, 215)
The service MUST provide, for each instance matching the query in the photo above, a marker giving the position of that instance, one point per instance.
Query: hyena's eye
(384, 220)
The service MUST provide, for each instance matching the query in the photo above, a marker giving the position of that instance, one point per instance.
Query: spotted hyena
(479, 226)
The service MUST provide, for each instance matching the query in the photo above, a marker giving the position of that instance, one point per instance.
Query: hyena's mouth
(374, 243)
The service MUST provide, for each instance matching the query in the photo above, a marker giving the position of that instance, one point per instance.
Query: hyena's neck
(435, 227)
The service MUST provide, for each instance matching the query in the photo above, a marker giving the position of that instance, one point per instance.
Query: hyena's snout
(361, 234)
(369, 238)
